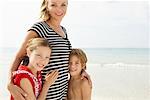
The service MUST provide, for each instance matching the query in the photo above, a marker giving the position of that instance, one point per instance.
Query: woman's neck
(54, 23)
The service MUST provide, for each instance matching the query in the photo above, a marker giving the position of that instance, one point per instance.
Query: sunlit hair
(37, 42)
(44, 14)
(80, 54)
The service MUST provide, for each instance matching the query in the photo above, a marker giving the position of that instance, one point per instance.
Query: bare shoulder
(86, 90)
(26, 85)
(24, 81)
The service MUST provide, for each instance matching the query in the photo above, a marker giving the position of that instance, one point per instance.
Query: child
(29, 77)
(79, 89)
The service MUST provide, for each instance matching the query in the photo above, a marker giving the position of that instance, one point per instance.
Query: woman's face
(57, 8)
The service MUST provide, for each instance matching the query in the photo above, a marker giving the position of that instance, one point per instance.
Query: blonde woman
(52, 13)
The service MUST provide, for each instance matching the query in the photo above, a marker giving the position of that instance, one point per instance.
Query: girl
(29, 77)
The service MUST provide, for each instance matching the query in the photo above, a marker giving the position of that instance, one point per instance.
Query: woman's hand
(84, 74)
(16, 92)
(51, 77)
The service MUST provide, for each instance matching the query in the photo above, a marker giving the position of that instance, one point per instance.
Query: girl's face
(75, 66)
(39, 57)
(57, 8)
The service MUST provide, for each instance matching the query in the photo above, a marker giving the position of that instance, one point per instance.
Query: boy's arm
(86, 90)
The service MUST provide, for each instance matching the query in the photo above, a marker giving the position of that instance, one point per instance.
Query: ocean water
(116, 73)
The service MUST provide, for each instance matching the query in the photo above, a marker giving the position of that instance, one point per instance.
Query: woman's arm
(86, 90)
(14, 90)
(84, 74)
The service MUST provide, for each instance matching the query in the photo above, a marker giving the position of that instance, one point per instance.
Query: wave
(118, 64)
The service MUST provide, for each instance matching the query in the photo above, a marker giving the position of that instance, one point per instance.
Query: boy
(79, 89)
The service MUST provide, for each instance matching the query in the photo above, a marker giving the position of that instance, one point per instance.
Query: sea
(116, 73)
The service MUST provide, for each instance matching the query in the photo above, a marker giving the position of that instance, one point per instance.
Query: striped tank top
(59, 59)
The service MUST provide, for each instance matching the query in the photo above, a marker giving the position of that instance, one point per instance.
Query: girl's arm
(13, 89)
(49, 80)
(86, 90)
(26, 85)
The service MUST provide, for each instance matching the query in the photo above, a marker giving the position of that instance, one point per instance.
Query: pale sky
(89, 23)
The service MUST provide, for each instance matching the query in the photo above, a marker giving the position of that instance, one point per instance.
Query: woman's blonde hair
(81, 55)
(44, 13)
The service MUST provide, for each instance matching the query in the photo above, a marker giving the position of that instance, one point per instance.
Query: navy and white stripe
(61, 48)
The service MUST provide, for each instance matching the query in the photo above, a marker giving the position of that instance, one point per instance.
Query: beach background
(114, 34)
(117, 73)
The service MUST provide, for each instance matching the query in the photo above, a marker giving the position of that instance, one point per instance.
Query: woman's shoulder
(37, 28)
(38, 23)
(63, 27)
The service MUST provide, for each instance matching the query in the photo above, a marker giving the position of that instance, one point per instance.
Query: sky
(89, 23)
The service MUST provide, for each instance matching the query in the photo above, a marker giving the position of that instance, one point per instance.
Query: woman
(52, 13)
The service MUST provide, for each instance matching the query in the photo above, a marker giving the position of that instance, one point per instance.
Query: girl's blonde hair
(32, 45)
(44, 13)
(36, 42)
(80, 54)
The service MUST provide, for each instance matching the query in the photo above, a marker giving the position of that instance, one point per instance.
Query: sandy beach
(111, 81)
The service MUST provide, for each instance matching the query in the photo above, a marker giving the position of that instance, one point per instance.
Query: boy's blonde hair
(81, 55)
(36, 42)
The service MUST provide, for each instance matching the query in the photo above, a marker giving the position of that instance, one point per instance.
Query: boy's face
(39, 58)
(75, 66)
